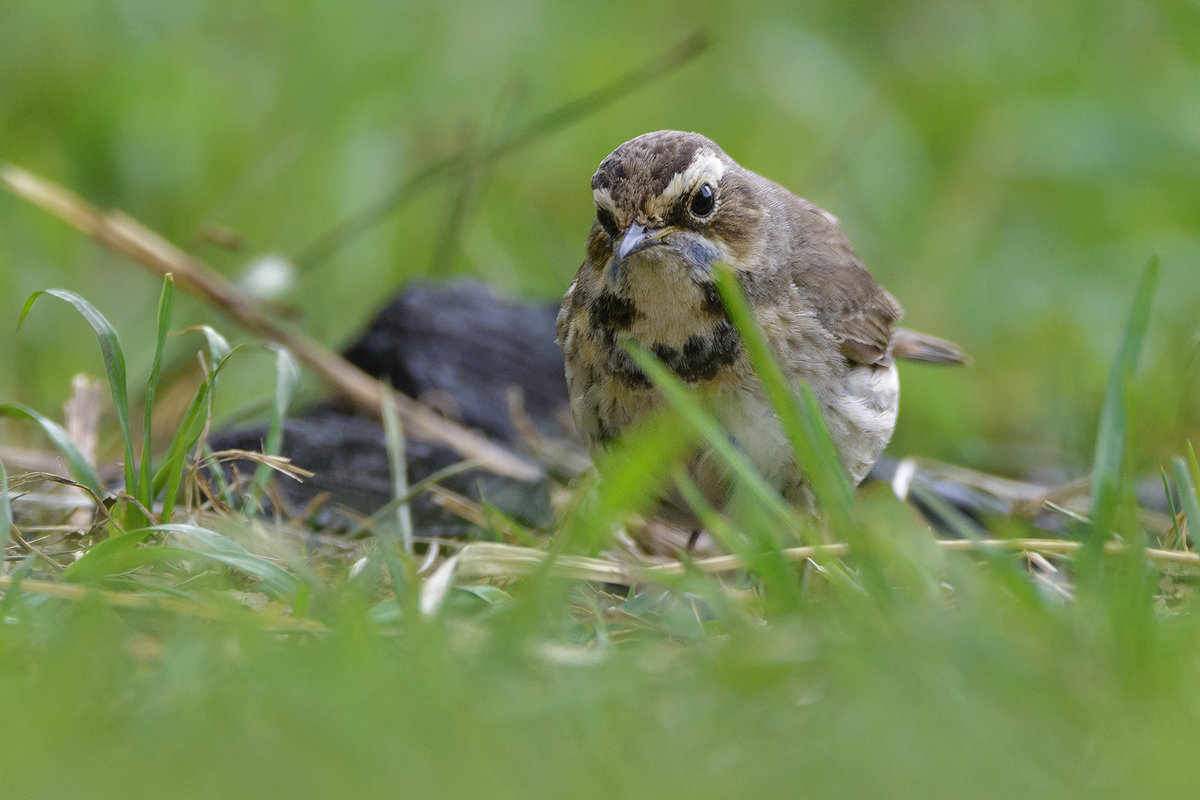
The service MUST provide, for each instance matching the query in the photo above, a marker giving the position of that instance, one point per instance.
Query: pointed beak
(637, 238)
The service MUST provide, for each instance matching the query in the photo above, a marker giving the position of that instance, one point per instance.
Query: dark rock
(348, 455)
(464, 345)
(460, 348)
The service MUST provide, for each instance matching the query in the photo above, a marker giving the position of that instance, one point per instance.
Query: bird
(671, 206)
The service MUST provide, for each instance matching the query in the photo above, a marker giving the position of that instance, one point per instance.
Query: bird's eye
(703, 201)
(607, 221)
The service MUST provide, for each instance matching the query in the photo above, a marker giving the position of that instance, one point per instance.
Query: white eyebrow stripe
(706, 167)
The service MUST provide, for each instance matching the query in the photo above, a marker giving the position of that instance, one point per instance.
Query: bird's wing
(859, 313)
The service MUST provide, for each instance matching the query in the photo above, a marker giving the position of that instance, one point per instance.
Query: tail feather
(915, 346)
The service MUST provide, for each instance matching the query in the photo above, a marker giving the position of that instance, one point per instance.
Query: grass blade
(287, 377)
(800, 415)
(219, 348)
(630, 475)
(394, 437)
(105, 558)
(1107, 469)
(166, 302)
(224, 490)
(114, 366)
(124, 552)
(170, 474)
(372, 522)
(756, 547)
(1188, 497)
(6, 517)
(692, 412)
(82, 471)
(12, 592)
(191, 428)
(275, 580)
(1176, 534)
(1195, 467)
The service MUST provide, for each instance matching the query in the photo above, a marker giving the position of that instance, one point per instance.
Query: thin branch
(128, 238)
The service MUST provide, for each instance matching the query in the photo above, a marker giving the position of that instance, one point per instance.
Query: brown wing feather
(859, 313)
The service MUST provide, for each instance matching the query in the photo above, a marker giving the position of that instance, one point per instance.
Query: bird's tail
(915, 346)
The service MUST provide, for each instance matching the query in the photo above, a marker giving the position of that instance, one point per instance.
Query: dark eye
(702, 201)
(607, 221)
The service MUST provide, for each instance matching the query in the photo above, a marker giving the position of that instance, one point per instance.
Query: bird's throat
(670, 300)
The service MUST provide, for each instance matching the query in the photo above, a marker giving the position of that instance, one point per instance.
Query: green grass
(992, 699)
(223, 656)
(1003, 168)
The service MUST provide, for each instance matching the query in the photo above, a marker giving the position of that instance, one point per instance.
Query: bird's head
(672, 196)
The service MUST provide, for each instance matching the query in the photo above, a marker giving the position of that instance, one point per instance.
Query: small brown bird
(670, 205)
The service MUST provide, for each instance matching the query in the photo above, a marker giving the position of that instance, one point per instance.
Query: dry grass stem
(467, 510)
(280, 464)
(493, 560)
(128, 238)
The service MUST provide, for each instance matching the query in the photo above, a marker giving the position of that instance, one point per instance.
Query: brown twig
(468, 510)
(131, 240)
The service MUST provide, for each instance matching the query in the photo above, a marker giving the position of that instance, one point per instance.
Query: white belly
(860, 412)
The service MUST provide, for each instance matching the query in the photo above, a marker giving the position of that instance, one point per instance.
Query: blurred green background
(1005, 168)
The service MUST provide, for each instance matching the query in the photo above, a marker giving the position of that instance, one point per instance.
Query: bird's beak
(637, 238)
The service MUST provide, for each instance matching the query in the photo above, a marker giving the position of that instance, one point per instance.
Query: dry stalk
(493, 560)
(466, 509)
(128, 238)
